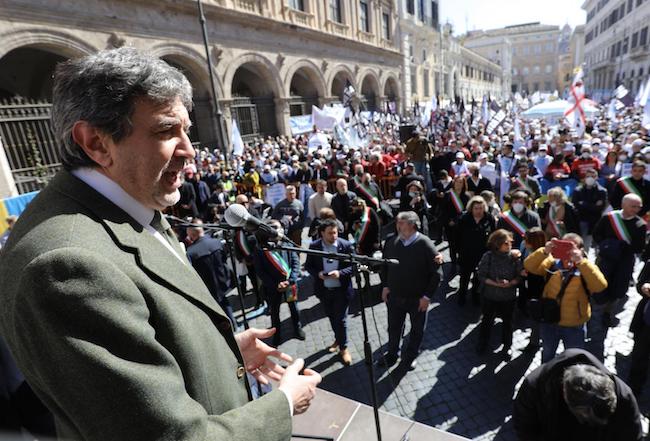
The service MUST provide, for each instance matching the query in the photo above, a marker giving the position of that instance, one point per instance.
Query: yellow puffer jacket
(574, 309)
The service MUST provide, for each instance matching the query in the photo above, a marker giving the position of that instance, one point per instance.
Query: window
(525, 72)
(297, 4)
(630, 5)
(424, 55)
(635, 40)
(421, 10)
(434, 14)
(537, 49)
(364, 17)
(410, 6)
(524, 87)
(548, 68)
(525, 50)
(411, 50)
(626, 41)
(425, 78)
(536, 70)
(643, 36)
(549, 47)
(638, 2)
(535, 86)
(385, 25)
(547, 86)
(335, 11)
(414, 82)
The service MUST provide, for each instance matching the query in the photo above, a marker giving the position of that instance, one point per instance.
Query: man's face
(291, 194)
(638, 172)
(342, 186)
(405, 229)
(330, 234)
(149, 162)
(320, 188)
(630, 207)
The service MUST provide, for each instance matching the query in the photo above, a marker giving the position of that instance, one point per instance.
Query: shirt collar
(411, 239)
(116, 194)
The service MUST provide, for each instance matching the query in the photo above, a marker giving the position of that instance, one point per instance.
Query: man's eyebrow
(167, 122)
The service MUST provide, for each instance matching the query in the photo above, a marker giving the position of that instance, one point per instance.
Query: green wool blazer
(118, 337)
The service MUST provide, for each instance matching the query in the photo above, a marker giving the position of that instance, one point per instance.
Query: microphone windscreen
(236, 215)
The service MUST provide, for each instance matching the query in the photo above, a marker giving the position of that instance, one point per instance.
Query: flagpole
(221, 133)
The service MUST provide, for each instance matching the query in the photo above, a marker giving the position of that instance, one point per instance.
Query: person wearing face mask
(635, 184)
(413, 199)
(558, 215)
(453, 206)
(542, 160)
(574, 397)
(585, 162)
(590, 200)
(519, 218)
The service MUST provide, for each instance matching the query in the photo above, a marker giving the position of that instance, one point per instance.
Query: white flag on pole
(237, 142)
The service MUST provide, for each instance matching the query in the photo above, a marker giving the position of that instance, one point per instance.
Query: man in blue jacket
(333, 285)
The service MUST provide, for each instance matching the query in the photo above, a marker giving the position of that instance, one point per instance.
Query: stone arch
(336, 83)
(28, 59)
(194, 66)
(304, 86)
(261, 67)
(369, 89)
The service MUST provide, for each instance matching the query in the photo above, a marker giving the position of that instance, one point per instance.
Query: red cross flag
(576, 114)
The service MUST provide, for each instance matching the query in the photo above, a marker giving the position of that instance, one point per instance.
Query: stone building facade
(496, 48)
(272, 59)
(617, 45)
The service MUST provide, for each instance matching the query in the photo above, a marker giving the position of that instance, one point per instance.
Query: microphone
(238, 216)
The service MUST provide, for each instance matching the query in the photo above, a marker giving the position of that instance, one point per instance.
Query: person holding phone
(571, 277)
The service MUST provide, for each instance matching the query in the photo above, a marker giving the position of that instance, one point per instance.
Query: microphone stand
(360, 264)
(228, 233)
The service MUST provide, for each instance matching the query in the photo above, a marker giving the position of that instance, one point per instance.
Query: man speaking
(112, 327)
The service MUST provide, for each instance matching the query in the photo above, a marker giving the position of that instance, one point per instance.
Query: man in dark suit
(333, 285)
(341, 204)
(209, 258)
(106, 318)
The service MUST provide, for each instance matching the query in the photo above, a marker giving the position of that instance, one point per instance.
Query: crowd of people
(106, 312)
(518, 216)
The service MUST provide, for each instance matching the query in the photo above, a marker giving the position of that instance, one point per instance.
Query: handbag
(546, 310)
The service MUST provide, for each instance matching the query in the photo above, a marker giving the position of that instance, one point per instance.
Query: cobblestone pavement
(452, 387)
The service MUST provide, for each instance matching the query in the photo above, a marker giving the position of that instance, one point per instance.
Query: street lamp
(221, 133)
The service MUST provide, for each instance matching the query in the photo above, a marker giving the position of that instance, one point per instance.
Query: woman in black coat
(474, 228)
(413, 199)
(453, 207)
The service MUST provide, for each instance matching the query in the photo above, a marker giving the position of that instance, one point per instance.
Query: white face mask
(518, 207)
(541, 154)
(590, 181)
(586, 155)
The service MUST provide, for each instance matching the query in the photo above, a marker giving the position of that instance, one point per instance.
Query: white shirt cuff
(286, 394)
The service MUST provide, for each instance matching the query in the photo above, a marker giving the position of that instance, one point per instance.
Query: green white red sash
(242, 243)
(457, 201)
(553, 223)
(362, 231)
(367, 192)
(627, 184)
(514, 222)
(521, 183)
(619, 227)
(278, 262)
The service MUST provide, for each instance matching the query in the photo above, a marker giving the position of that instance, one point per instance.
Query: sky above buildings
(490, 14)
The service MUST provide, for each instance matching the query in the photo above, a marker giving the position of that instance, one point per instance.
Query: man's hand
(334, 274)
(515, 253)
(438, 259)
(548, 247)
(322, 275)
(256, 355)
(424, 304)
(575, 255)
(384, 294)
(301, 388)
(282, 286)
(645, 289)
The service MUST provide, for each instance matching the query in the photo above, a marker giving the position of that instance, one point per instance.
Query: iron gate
(301, 105)
(255, 117)
(28, 142)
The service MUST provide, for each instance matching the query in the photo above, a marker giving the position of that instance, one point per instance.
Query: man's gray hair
(411, 217)
(102, 89)
(587, 386)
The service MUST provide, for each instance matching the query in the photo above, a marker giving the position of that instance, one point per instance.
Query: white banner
(274, 194)
(237, 142)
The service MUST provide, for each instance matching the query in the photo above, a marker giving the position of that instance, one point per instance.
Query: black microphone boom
(238, 216)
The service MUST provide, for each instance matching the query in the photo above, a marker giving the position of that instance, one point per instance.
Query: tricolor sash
(619, 227)
(556, 229)
(627, 184)
(514, 222)
(457, 201)
(278, 263)
(362, 231)
(367, 193)
(521, 183)
(242, 243)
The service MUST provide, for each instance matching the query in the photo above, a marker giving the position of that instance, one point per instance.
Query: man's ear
(93, 142)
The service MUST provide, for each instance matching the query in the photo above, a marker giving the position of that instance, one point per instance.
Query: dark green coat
(118, 337)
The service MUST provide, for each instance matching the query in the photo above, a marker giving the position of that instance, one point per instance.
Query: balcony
(250, 6)
(366, 37)
(639, 51)
(300, 18)
(336, 28)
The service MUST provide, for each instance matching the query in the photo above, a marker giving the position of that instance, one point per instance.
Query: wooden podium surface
(332, 416)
